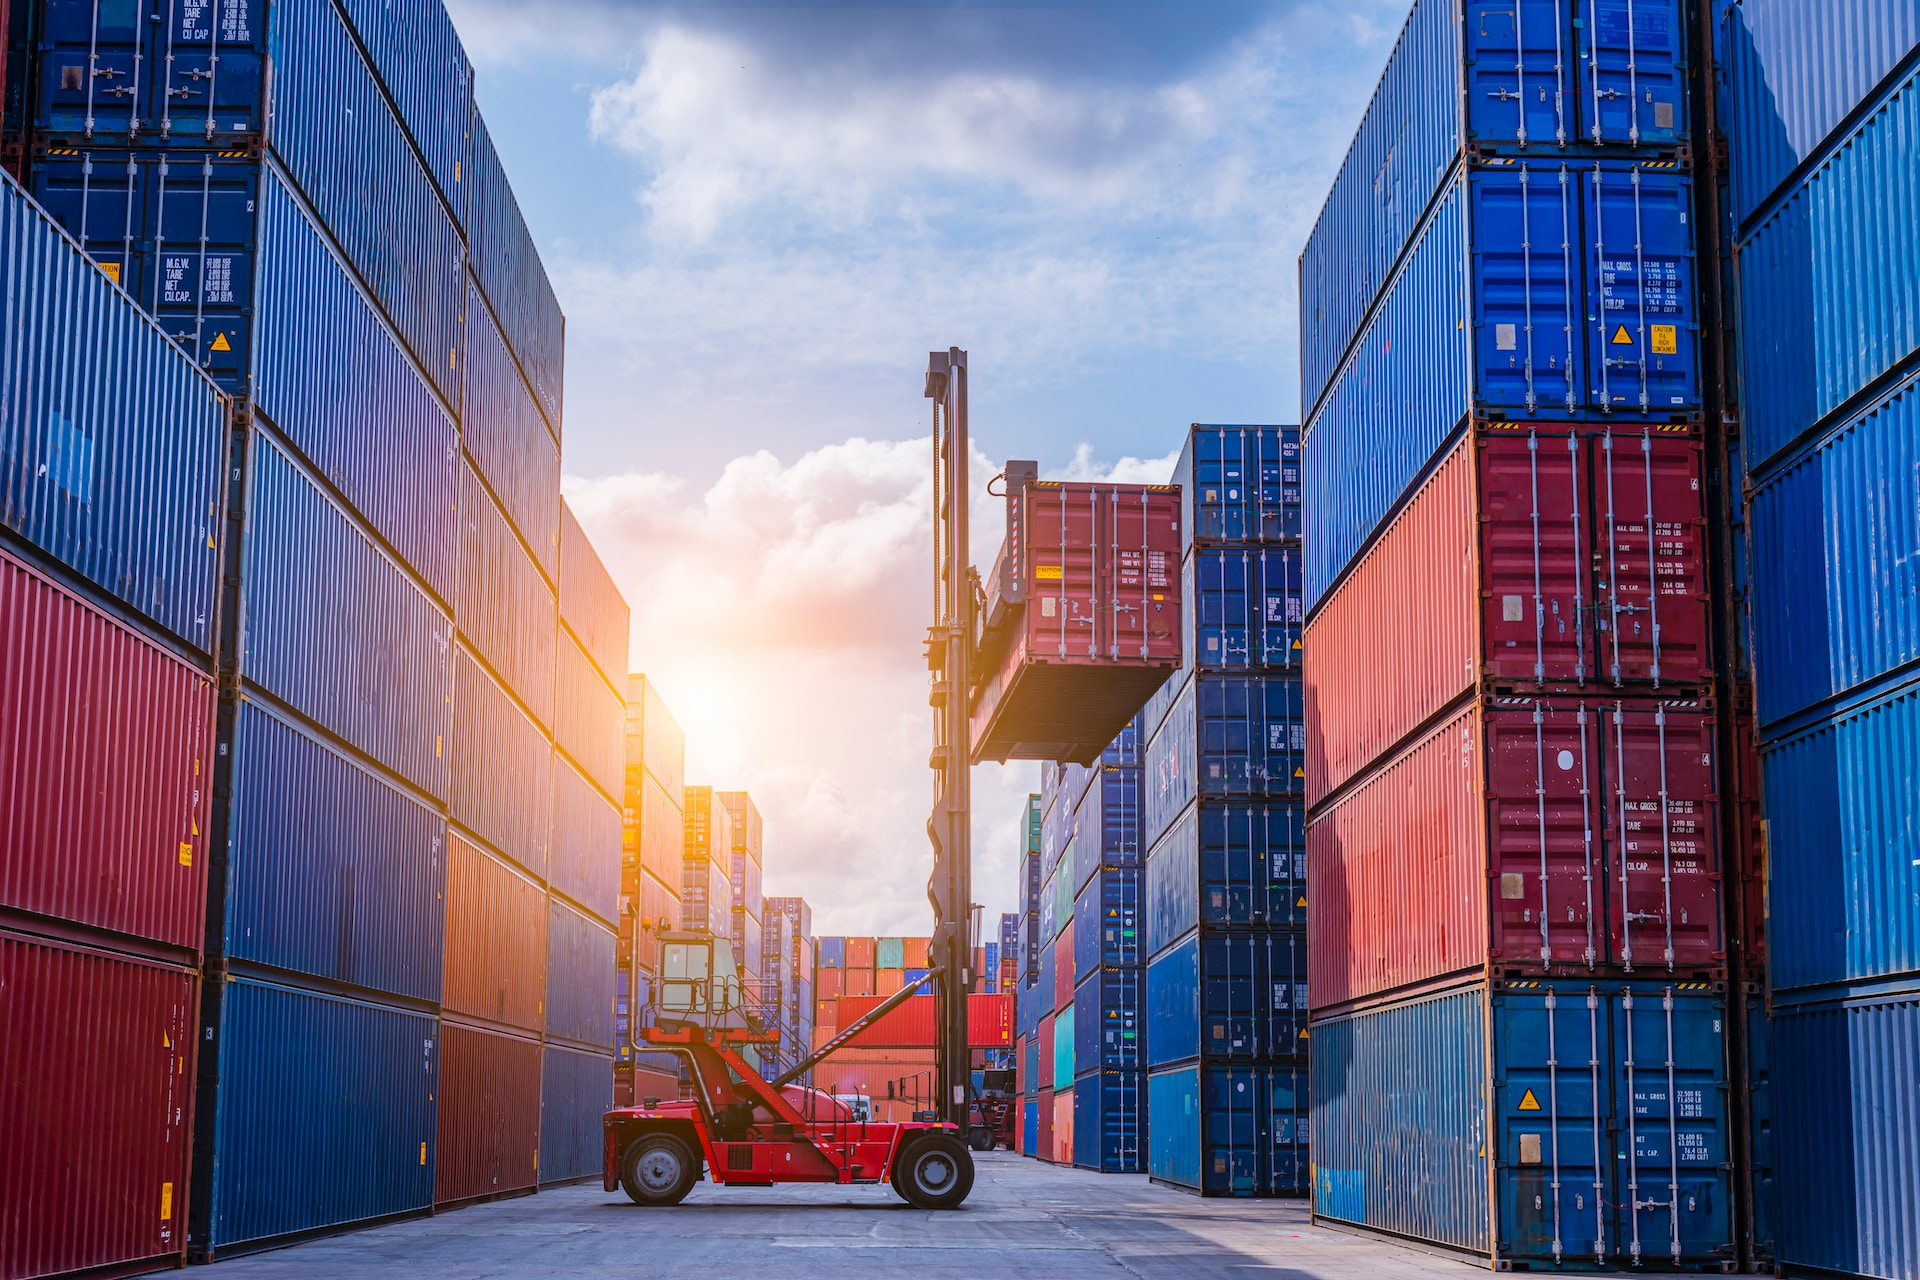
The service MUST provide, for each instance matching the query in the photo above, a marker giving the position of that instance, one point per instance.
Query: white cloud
(1127, 470)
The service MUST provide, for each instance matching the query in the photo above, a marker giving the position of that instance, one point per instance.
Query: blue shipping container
(502, 767)
(1606, 1117)
(504, 606)
(327, 1101)
(508, 439)
(1593, 319)
(1833, 533)
(1240, 484)
(1244, 607)
(1224, 736)
(576, 1091)
(1110, 1121)
(511, 278)
(113, 447)
(418, 56)
(337, 630)
(1029, 1129)
(1847, 1112)
(331, 871)
(830, 953)
(1109, 1024)
(1531, 78)
(1106, 923)
(1228, 996)
(1229, 1131)
(580, 960)
(1227, 863)
(1843, 854)
(583, 857)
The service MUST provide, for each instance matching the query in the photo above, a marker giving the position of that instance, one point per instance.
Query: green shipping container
(1063, 1049)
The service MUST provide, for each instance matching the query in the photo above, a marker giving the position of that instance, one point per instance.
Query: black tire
(936, 1172)
(980, 1138)
(658, 1170)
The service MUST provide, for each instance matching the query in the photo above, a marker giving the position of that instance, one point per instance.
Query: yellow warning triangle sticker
(220, 343)
(1296, 644)
(1302, 902)
(1621, 338)
(1299, 773)
(1528, 1102)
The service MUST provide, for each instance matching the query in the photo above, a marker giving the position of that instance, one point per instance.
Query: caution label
(111, 270)
(220, 343)
(1665, 339)
(1528, 1102)
(1048, 572)
(1621, 338)
(166, 1202)
(186, 855)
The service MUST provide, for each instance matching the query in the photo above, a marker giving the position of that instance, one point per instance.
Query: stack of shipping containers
(706, 889)
(1026, 986)
(1222, 819)
(787, 953)
(1518, 968)
(652, 850)
(405, 828)
(744, 876)
(1820, 207)
(897, 1076)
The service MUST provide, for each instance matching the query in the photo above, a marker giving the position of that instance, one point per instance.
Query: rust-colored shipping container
(860, 953)
(496, 941)
(96, 1096)
(1082, 619)
(1043, 1143)
(1546, 562)
(828, 984)
(488, 1133)
(888, 981)
(660, 834)
(1063, 969)
(1552, 836)
(105, 790)
(915, 1023)
(914, 952)
(857, 982)
(653, 906)
(1062, 1133)
(1020, 1067)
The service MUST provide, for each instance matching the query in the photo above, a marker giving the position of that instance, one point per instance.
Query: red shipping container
(908, 1080)
(857, 982)
(915, 952)
(487, 1139)
(1084, 621)
(106, 790)
(1062, 1132)
(1043, 1141)
(1524, 565)
(496, 940)
(1020, 1066)
(1548, 836)
(828, 984)
(860, 953)
(1063, 969)
(97, 1061)
(915, 1023)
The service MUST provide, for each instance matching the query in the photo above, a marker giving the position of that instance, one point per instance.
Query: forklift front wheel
(658, 1170)
(980, 1138)
(936, 1172)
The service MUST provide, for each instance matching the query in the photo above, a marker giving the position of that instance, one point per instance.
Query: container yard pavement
(1023, 1219)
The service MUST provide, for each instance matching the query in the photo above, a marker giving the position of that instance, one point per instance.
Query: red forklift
(752, 1132)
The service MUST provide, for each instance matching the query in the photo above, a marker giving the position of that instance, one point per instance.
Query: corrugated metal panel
(98, 1059)
(332, 377)
(584, 857)
(108, 787)
(1830, 281)
(1836, 601)
(496, 940)
(1796, 71)
(1842, 860)
(505, 607)
(655, 740)
(1228, 996)
(1233, 1131)
(576, 1089)
(333, 627)
(1847, 1109)
(329, 1101)
(403, 243)
(112, 446)
(1227, 735)
(508, 438)
(662, 837)
(1226, 863)
(1106, 923)
(590, 604)
(1043, 1136)
(1108, 826)
(1110, 1121)
(331, 871)
(420, 61)
(502, 767)
(589, 719)
(1244, 607)
(1239, 484)
(1109, 1021)
(508, 268)
(579, 977)
(489, 1132)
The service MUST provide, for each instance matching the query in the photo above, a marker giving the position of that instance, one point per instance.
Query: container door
(1536, 560)
(1062, 599)
(98, 197)
(1543, 784)
(1139, 558)
(1552, 1090)
(209, 90)
(1281, 611)
(1278, 512)
(1632, 67)
(1526, 275)
(1650, 595)
(1664, 855)
(96, 66)
(1670, 1125)
(1233, 1104)
(1289, 1170)
(1641, 324)
(1221, 589)
(1520, 72)
(1284, 982)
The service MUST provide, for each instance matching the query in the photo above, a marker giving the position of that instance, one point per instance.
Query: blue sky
(760, 219)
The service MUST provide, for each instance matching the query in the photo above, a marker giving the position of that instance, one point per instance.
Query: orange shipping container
(496, 940)
(915, 952)
(888, 981)
(1062, 1152)
(858, 982)
(860, 953)
(914, 1024)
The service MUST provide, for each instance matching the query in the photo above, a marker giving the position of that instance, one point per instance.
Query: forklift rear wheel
(658, 1170)
(980, 1138)
(935, 1173)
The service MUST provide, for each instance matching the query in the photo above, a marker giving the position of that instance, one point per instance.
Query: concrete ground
(1024, 1219)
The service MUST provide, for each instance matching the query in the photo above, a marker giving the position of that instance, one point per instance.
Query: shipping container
(1244, 607)
(1596, 320)
(589, 719)
(1605, 1115)
(1109, 1021)
(330, 1101)
(1106, 923)
(502, 767)
(591, 605)
(662, 837)
(108, 787)
(425, 70)
(330, 871)
(1030, 1127)
(584, 851)
(860, 953)
(1062, 1135)
(1239, 484)
(113, 446)
(1063, 964)
(857, 982)
(1043, 1137)
(655, 740)
(889, 953)
(336, 629)
(1228, 997)
(1083, 619)
(507, 438)
(489, 1130)
(575, 1091)
(98, 1059)
(515, 285)
(1228, 1130)
(1225, 736)
(1110, 1121)
(579, 977)
(745, 878)
(915, 1023)
(496, 941)
(1226, 863)
(830, 953)
(505, 608)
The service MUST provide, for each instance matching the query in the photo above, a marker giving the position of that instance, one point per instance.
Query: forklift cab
(699, 984)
